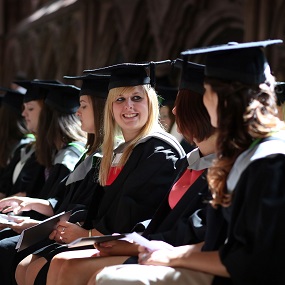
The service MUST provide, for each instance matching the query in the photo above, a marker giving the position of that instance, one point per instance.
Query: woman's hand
(15, 204)
(117, 247)
(66, 232)
(167, 257)
(22, 223)
(19, 204)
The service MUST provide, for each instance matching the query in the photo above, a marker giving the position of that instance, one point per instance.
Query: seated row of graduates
(60, 140)
(150, 158)
(116, 191)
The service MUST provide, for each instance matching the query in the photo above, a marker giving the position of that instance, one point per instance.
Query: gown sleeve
(255, 249)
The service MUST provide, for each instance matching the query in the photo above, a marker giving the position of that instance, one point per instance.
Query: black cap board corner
(63, 98)
(192, 75)
(92, 84)
(34, 91)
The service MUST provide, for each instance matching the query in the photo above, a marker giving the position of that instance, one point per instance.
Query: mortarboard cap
(93, 84)
(192, 76)
(34, 91)
(165, 89)
(129, 74)
(167, 93)
(13, 99)
(243, 62)
(62, 97)
(280, 92)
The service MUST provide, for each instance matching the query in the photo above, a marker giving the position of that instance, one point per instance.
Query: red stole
(182, 185)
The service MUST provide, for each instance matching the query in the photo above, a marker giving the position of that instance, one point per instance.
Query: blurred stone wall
(50, 39)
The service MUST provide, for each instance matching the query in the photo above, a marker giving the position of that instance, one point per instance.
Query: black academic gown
(79, 189)
(135, 194)
(64, 163)
(30, 179)
(139, 188)
(179, 226)
(24, 182)
(255, 250)
(187, 222)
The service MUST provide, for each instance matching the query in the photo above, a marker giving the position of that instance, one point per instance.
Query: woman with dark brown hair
(25, 176)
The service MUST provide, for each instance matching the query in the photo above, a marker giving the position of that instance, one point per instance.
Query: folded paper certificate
(132, 237)
(137, 238)
(41, 231)
(94, 239)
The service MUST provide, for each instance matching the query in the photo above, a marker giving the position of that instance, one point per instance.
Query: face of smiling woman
(130, 111)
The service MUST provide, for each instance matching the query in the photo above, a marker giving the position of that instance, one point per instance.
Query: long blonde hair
(111, 128)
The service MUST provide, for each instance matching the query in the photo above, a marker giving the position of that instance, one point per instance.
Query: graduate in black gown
(13, 132)
(247, 180)
(59, 145)
(133, 178)
(75, 191)
(24, 175)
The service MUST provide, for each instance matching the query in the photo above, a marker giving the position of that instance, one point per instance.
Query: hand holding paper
(66, 232)
(150, 245)
(22, 223)
(8, 220)
(40, 232)
(169, 256)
